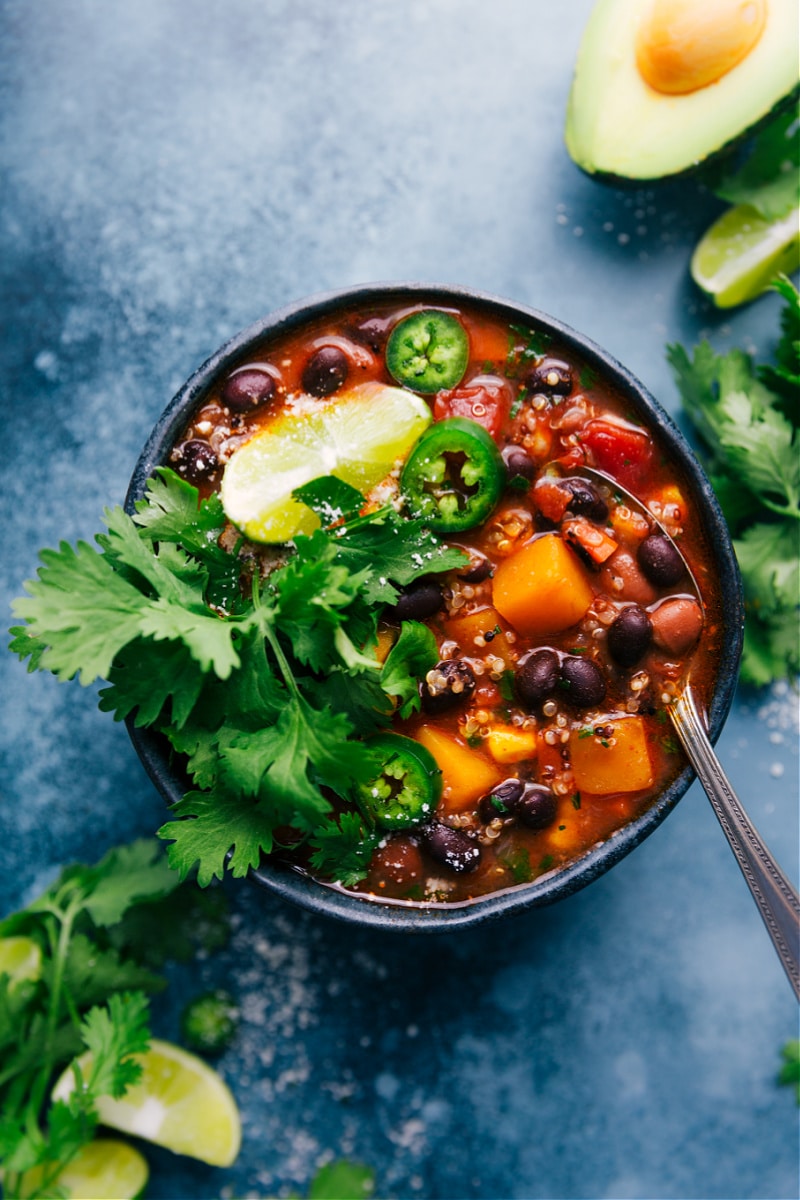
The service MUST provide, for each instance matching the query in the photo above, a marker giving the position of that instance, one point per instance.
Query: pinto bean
(677, 623)
(622, 578)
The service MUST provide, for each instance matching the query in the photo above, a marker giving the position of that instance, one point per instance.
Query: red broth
(568, 627)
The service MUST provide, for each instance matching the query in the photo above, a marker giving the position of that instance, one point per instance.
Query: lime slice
(742, 252)
(179, 1102)
(358, 437)
(20, 958)
(102, 1170)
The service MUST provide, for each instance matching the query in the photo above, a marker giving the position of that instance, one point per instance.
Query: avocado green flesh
(618, 126)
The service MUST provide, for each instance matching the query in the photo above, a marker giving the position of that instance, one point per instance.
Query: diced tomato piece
(485, 403)
(621, 451)
(590, 538)
(551, 498)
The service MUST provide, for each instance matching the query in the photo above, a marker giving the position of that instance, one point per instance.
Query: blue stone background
(173, 170)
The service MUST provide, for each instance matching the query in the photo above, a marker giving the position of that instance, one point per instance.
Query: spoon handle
(777, 900)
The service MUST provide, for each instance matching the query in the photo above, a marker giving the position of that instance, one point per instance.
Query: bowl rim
(331, 900)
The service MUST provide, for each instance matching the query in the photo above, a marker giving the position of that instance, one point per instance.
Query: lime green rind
(105, 1169)
(743, 253)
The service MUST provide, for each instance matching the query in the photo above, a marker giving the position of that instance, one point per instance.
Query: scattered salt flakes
(776, 738)
(578, 231)
(302, 1147)
(562, 219)
(782, 709)
(623, 238)
(409, 1135)
(412, 1031)
(776, 770)
(340, 1090)
(47, 362)
(370, 966)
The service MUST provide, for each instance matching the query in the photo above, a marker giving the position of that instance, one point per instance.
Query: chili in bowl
(438, 482)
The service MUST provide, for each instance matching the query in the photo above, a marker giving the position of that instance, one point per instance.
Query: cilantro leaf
(147, 676)
(84, 925)
(414, 653)
(394, 551)
(343, 848)
(219, 825)
(751, 440)
(330, 498)
(342, 1180)
(80, 613)
(784, 376)
(769, 556)
(113, 1034)
(769, 177)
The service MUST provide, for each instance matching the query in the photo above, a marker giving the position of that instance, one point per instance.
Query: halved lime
(20, 958)
(358, 437)
(102, 1170)
(742, 252)
(179, 1102)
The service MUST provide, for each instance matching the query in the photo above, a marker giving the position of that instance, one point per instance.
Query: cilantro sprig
(98, 928)
(748, 418)
(267, 682)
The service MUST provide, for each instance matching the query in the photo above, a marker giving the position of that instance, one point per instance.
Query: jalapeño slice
(428, 351)
(454, 476)
(407, 789)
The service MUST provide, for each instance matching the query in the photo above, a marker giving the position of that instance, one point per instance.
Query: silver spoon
(775, 897)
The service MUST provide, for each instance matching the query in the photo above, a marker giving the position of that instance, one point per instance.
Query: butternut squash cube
(616, 763)
(543, 588)
(466, 774)
(509, 745)
(464, 630)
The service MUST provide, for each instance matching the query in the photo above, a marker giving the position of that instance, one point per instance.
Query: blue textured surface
(172, 171)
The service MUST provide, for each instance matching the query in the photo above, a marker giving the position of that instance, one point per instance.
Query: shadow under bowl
(330, 900)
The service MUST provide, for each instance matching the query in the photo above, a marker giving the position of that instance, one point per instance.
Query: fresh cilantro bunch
(267, 686)
(748, 418)
(767, 175)
(91, 926)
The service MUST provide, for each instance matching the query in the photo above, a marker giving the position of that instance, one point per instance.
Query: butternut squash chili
(541, 729)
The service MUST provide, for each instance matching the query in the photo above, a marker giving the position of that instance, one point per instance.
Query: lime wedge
(102, 1170)
(358, 437)
(179, 1102)
(20, 959)
(742, 252)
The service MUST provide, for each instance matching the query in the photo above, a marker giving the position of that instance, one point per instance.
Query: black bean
(660, 560)
(325, 371)
(373, 332)
(477, 569)
(453, 683)
(583, 683)
(586, 499)
(551, 377)
(454, 848)
(501, 800)
(536, 676)
(519, 464)
(247, 389)
(630, 635)
(537, 807)
(197, 460)
(420, 599)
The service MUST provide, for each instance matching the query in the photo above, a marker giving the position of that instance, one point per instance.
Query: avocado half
(620, 127)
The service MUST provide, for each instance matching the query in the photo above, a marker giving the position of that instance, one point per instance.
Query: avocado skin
(620, 131)
(712, 160)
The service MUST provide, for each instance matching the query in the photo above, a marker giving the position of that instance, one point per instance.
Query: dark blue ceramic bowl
(168, 775)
